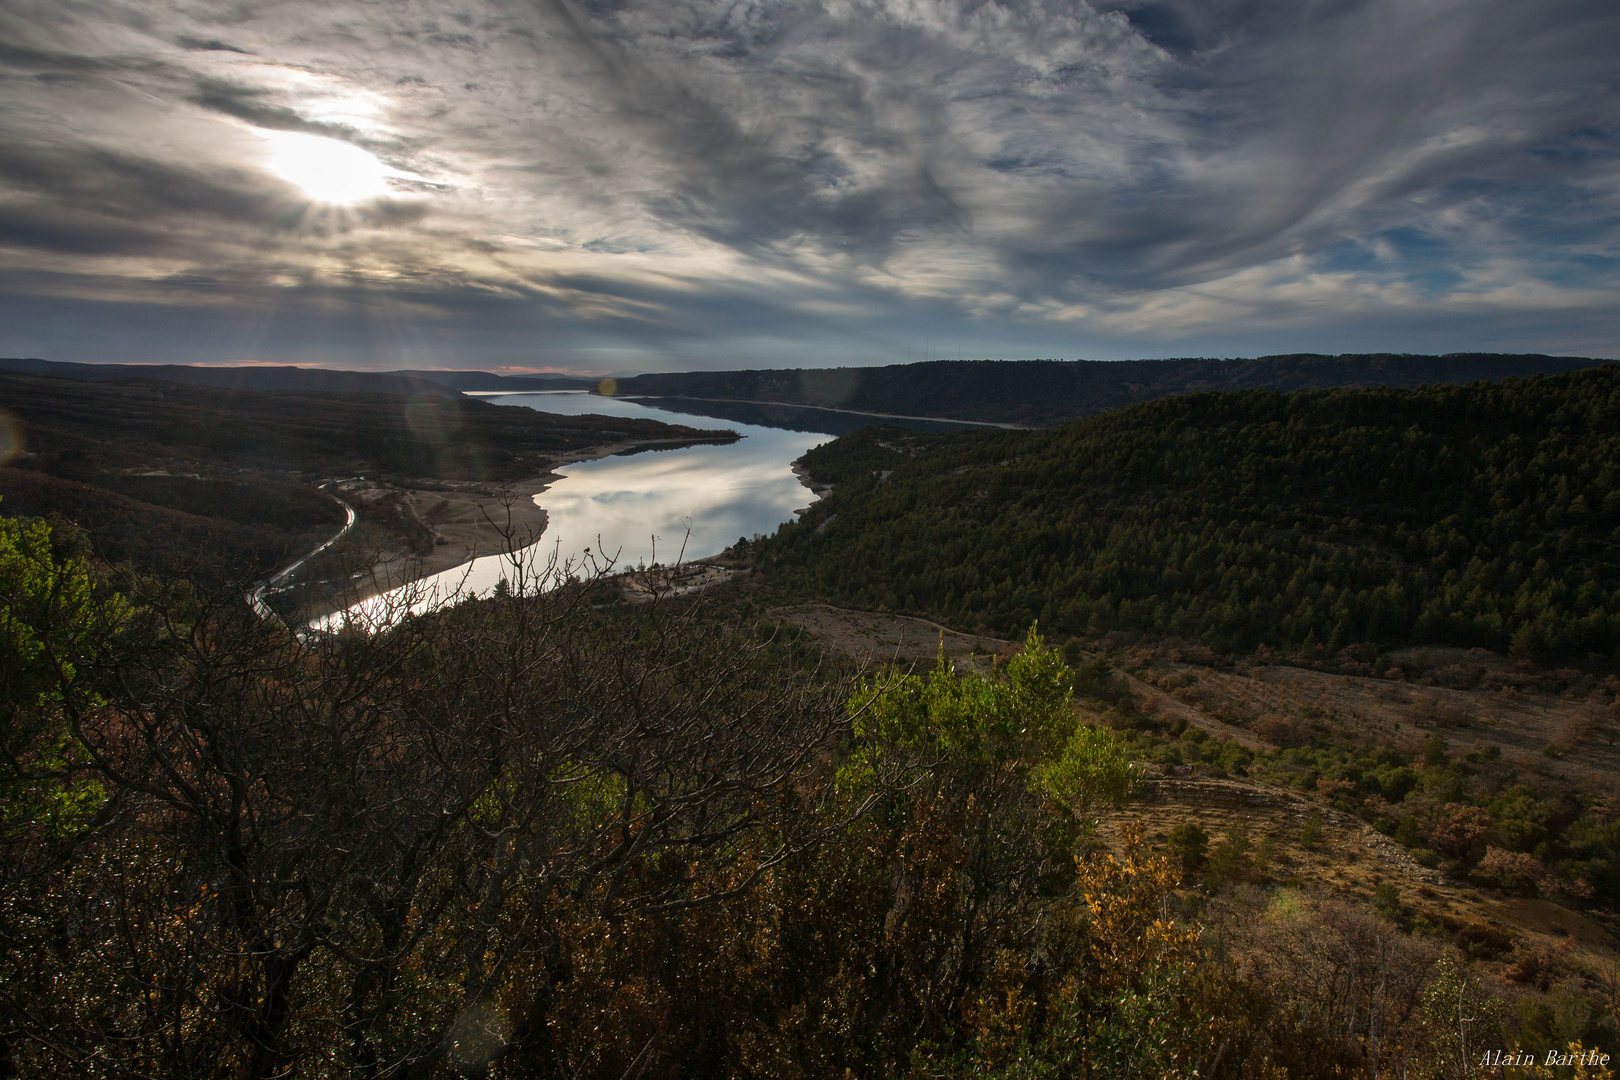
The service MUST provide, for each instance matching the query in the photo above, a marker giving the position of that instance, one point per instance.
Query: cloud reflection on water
(699, 497)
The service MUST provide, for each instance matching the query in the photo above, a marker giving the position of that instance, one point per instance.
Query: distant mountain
(798, 417)
(239, 378)
(301, 379)
(1043, 393)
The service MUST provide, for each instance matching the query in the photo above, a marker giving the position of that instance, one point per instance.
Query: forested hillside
(1482, 515)
(1041, 393)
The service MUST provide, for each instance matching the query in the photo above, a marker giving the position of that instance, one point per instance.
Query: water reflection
(634, 509)
(619, 505)
(755, 414)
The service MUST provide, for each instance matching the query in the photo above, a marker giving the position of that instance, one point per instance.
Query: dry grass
(870, 637)
(1279, 705)
(1353, 859)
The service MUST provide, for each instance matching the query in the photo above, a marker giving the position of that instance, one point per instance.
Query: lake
(640, 507)
(645, 506)
(654, 505)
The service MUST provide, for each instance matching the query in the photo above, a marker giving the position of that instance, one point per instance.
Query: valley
(1553, 731)
(896, 540)
(1281, 717)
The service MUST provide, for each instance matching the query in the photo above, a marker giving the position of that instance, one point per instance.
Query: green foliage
(1458, 1017)
(1231, 861)
(1387, 902)
(1310, 833)
(1456, 811)
(1090, 768)
(1468, 515)
(1188, 845)
(52, 616)
(1021, 720)
(1098, 681)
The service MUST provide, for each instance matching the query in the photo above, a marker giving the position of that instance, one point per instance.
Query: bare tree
(1339, 978)
(358, 844)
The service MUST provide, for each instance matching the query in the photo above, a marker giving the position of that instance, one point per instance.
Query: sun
(326, 170)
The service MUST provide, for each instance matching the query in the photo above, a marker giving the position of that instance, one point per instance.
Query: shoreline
(468, 520)
(819, 408)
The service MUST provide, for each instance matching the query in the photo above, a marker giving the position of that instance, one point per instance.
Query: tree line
(1041, 393)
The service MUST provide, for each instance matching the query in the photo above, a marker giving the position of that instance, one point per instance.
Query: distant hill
(317, 380)
(1042, 393)
(486, 382)
(1480, 515)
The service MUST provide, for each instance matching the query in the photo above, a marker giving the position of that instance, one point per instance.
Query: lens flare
(433, 418)
(11, 437)
(478, 1035)
(326, 170)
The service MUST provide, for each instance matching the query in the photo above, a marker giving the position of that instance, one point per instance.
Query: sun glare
(327, 170)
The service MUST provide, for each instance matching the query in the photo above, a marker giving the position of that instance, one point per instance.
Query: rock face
(1223, 793)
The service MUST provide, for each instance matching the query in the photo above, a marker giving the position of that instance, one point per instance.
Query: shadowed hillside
(1478, 515)
(165, 474)
(1040, 393)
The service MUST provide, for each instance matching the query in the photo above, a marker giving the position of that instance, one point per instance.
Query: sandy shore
(466, 522)
(467, 519)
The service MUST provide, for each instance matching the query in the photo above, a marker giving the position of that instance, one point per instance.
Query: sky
(638, 185)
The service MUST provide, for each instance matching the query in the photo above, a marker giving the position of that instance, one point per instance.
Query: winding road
(255, 596)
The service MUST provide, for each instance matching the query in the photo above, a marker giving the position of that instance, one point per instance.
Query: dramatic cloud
(629, 185)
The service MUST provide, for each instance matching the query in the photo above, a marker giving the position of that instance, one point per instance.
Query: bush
(1510, 871)
(1188, 845)
(1231, 862)
(1310, 833)
(1387, 902)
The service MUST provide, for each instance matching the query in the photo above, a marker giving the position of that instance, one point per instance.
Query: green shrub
(1188, 845)
(1310, 833)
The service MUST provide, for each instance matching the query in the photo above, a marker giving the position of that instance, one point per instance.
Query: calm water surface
(628, 506)
(640, 507)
